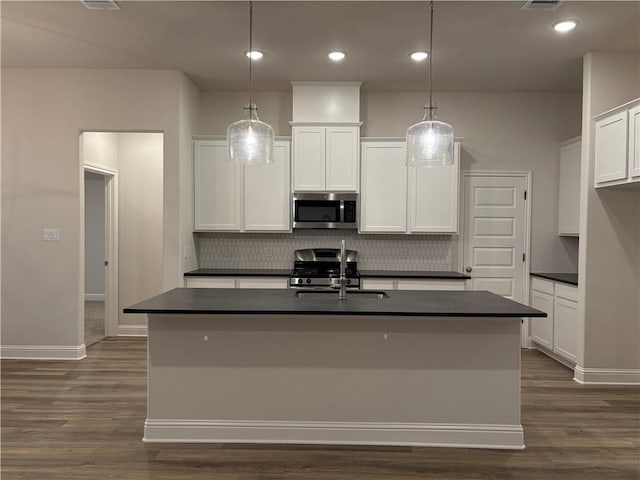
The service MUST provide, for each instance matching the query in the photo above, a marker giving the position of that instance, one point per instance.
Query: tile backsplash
(375, 252)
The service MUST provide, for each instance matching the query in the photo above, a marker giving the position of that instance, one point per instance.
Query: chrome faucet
(343, 276)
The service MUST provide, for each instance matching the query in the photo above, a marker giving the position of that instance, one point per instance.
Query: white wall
(41, 184)
(610, 226)
(511, 131)
(140, 222)
(94, 234)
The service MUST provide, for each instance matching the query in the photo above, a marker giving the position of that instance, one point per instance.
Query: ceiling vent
(547, 5)
(101, 4)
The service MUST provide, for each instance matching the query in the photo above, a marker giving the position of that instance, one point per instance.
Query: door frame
(111, 239)
(526, 175)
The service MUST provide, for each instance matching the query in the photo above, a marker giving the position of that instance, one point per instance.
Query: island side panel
(334, 379)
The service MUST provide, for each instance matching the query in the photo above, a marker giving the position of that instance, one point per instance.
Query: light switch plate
(51, 234)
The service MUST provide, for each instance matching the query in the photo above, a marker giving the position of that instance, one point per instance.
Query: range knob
(308, 280)
(348, 282)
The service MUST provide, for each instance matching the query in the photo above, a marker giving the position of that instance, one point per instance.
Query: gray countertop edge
(569, 278)
(248, 272)
(265, 302)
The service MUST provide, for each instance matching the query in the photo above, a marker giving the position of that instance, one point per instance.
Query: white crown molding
(43, 352)
(606, 376)
(335, 433)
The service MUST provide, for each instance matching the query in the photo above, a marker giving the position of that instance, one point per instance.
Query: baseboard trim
(335, 433)
(94, 297)
(606, 376)
(43, 352)
(132, 330)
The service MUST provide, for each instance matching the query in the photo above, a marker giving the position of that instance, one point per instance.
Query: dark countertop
(248, 272)
(284, 302)
(238, 272)
(414, 274)
(570, 278)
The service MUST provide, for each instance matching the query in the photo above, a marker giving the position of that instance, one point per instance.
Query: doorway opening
(129, 167)
(100, 253)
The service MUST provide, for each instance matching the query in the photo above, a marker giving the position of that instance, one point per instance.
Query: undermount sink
(333, 294)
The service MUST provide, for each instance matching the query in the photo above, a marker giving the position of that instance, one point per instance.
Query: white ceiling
(478, 45)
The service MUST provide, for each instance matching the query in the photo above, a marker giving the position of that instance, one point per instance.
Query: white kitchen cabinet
(565, 321)
(267, 193)
(617, 156)
(569, 188)
(229, 197)
(209, 282)
(325, 157)
(634, 143)
(558, 333)
(217, 188)
(235, 282)
(383, 188)
(377, 283)
(397, 198)
(542, 299)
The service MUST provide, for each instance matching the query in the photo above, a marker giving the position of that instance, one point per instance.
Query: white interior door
(495, 230)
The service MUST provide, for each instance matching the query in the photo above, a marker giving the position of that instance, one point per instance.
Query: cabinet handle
(468, 269)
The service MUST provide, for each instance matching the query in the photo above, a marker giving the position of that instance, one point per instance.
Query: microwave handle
(341, 211)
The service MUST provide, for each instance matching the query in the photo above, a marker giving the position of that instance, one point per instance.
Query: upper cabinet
(617, 157)
(397, 198)
(325, 157)
(236, 198)
(569, 188)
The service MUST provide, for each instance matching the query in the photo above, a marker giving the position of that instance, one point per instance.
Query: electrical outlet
(51, 234)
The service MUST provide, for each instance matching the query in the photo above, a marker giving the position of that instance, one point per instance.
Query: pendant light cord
(250, 53)
(431, 64)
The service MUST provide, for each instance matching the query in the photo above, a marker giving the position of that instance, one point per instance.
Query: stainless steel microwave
(335, 210)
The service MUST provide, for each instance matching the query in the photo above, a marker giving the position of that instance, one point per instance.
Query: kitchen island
(438, 368)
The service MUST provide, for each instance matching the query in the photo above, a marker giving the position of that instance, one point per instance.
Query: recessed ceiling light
(254, 54)
(336, 56)
(565, 25)
(418, 56)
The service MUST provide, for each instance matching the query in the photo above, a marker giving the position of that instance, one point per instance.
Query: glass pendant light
(430, 142)
(250, 141)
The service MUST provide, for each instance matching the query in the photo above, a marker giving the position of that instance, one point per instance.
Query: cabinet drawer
(378, 284)
(542, 285)
(210, 282)
(425, 284)
(262, 282)
(567, 292)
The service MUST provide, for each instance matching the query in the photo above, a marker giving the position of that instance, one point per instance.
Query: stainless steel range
(320, 268)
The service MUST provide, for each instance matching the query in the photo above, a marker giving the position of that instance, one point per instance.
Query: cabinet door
(267, 193)
(383, 188)
(308, 158)
(569, 191)
(433, 197)
(634, 143)
(611, 148)
(342, 158)
(217, 188)
(542, 328)
(565, 321)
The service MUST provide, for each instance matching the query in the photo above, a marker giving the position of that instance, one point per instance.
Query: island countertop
(204, 301)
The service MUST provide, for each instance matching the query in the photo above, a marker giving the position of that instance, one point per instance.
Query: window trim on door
(526, 174)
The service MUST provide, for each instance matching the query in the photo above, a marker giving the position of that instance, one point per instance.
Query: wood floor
(84, 420)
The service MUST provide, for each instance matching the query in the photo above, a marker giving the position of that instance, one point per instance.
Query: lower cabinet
(412, 284)
(236, 282)
(558, 333)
